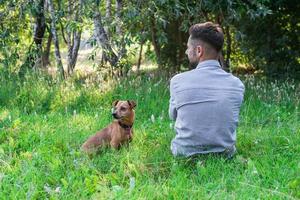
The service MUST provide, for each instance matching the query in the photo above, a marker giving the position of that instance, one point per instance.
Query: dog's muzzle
(114, 114)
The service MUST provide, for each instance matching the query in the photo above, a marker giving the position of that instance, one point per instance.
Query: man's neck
(208, 58)
(207, 63)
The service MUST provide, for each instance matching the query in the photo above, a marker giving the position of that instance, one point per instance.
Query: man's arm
(172, 105)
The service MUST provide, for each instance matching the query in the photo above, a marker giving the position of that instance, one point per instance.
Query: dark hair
(209, 33)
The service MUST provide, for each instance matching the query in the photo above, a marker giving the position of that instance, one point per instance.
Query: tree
(56, 41)
(117, 40)
(101, 37)
(34, 54)
(46, 52)
(74, 23)
(271, 42)
(262, 34)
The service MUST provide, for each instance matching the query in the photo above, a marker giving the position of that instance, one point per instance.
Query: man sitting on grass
(205, 102)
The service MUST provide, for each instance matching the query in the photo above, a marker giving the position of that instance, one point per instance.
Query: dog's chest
(127, 133)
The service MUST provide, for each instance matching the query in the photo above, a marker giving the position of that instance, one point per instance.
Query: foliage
(273, 45)
(166, 24)
(13, 39)
(262, 34)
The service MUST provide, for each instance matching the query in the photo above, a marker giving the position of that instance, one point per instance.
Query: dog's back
(99, 139)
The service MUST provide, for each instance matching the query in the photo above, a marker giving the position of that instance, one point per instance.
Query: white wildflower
(57, 190)
(255, 171)
(1, 176)
(152, 118)
(116, 188)
(131, 183)
(47, 189)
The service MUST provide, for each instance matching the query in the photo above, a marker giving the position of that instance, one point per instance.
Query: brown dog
(116, 133)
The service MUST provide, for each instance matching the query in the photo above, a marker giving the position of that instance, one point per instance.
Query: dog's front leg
(115, 144)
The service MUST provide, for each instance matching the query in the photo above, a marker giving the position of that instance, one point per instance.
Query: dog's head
(123, 110)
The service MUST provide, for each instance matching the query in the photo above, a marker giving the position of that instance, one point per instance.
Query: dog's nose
(114, 114)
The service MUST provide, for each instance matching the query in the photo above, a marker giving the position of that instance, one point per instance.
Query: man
(205, 102)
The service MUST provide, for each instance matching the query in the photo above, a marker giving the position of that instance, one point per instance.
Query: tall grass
(43, 124)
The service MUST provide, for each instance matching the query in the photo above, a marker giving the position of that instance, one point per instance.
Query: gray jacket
(205, 104)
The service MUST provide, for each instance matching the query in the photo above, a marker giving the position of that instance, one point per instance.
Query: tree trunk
(140, 57)
(108, 9)
(118, 16)
(35, 52)
(69, 39)
(46, 53)
(73, 37)
(56, 42)
(102, 39)
(119, 28)
(63, 32)
(172, 53)
(73, 48)
(39, 31)
(228, 48)
(107, 16)
(155, 41)
(181, 47)
(76, 45)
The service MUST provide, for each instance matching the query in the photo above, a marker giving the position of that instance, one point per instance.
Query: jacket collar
(208, 64)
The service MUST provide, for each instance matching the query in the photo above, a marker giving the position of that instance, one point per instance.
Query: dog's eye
(123, 108)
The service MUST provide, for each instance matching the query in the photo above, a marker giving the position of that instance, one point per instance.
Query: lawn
(43, 124)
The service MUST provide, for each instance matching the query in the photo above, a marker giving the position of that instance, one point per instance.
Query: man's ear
(200, 50)
(131, 103)
(115, 103)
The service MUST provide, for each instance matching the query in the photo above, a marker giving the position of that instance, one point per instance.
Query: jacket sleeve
(172, 105)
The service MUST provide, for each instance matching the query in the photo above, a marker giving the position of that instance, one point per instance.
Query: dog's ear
(131, 103)
(115, 103)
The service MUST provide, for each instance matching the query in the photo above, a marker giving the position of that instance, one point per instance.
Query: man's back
(205, 103)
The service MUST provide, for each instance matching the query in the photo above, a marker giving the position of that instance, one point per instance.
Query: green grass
(43, 124)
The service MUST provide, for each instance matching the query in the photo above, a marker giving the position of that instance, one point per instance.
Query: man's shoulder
(181, 76)
(236, 82)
